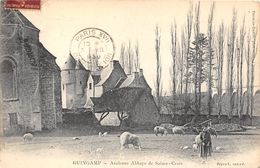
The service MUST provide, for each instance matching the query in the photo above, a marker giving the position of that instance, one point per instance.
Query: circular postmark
(93, 46)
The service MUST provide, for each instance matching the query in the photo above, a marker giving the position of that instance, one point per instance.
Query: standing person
(206, 144)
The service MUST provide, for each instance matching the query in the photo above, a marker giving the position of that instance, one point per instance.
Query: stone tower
(74, 81)
(68, 79)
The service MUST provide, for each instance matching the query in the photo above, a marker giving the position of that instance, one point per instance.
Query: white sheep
(178, 130)
(127, 138)
(105, 134)
(167, 126)
(76, 138)
(100, 134)
(160, 130)
(28, 137)
(197, 142)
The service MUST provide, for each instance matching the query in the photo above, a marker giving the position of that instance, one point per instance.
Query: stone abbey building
(108, 90)
(30, 78)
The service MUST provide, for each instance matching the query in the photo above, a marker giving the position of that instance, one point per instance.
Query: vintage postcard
(133, 83)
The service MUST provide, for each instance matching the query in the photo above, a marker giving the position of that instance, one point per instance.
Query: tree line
(198, 58)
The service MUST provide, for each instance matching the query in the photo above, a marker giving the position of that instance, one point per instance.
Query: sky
(135, 20)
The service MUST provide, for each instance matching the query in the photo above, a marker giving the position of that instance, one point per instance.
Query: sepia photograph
(132, 83)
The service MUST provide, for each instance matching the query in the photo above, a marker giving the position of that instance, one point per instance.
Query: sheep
(76, 138)
(218, 148)
(185, 147)
(197, 142)
(167, 126)
(104, 134)
(28, 137)
(178, 130)
(160, 130)
(100, 134)
(127, 138)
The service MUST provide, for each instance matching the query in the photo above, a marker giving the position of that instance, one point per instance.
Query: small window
(90, 86)
(13, 119)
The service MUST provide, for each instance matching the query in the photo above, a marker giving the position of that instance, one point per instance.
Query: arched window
(8, 80)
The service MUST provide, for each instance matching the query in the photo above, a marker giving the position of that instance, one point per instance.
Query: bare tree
(123, 56)
(210, 55)
(186, 40)
(136, 60)
(130, 58)
(231, 47)
(252, 73)
(248, 72)
(183, 49)
(240, 69)
(220, 58)
(173, 53)
(158, 82)
(238, 80)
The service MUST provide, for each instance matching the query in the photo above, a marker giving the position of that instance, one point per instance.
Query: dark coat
(206, 144)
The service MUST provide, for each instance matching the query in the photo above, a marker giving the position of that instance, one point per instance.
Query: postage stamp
(93, 45)
(23, 4)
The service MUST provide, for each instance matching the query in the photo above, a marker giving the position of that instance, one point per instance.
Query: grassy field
(164, 151)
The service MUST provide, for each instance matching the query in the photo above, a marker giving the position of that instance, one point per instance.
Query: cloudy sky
(60, 20)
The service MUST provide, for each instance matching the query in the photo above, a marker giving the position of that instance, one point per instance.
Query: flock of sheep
(127, 138)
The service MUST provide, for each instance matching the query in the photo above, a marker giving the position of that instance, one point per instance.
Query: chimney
(141, 72)
(113, 63)
(136, 74)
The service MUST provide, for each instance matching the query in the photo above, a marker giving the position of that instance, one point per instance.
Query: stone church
(30, 96)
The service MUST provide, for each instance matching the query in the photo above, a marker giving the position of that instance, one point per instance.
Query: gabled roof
(135, 80)
(45, 51)
(127, 82)
(106, 72)
(70, 63)
(8, 19)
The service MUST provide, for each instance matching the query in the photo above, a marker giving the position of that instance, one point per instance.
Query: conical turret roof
(79, 65)
(70, 63)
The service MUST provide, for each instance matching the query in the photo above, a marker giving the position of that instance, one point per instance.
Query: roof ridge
(24, 20)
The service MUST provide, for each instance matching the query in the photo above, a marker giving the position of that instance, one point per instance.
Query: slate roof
(17, 14)
(104, 75)
(70, 63)
(135, 80)
(107, 71)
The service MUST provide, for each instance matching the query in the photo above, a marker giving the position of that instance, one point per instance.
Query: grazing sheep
(178, 130)
(100, 134)
(218, 148)
(167, 126)
(28, 137)
(104, 134)
(127, 138)
(160, 130)
(76, 138)
(186, 147)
